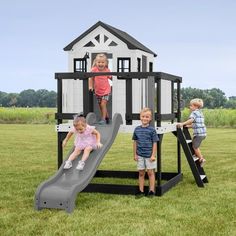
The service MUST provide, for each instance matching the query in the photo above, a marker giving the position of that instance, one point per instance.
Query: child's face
(101, 63)
(80, 127)
(145, 117)
(193, 107)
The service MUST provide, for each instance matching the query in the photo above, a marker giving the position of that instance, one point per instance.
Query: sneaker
(80, 165)
(150, 194)
(139, 194)
(68, 165)
(202, 161)
(102, 122)
(195, 158)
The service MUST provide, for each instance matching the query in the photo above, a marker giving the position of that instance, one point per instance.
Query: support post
(151, 97)
(172, 99)
(91, 107)
(129, 105)
(86, 98)
(158, 121)
(178, 120)
(59, 121)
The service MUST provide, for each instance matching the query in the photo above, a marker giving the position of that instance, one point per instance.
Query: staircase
(185, 140)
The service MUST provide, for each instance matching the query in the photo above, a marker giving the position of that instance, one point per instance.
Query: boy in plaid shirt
(196, 121)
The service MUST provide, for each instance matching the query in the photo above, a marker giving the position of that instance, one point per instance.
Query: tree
(13, 99)
(9, 99)
(231, 103)
(2, 95)
(27, 98)
(218, 97)
(52, 99)
(46, 98)
(213, 98)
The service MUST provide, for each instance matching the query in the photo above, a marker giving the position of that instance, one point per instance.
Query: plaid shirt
(199, 128)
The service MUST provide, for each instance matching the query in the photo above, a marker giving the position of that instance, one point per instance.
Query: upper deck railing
(153, 77)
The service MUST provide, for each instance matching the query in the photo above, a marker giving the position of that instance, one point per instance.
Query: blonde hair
(146, 109)
(100, 56)
(198, 102)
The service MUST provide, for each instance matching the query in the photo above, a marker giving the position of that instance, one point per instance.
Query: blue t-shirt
(145, 137)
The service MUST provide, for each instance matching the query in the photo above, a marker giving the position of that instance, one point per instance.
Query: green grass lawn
(28, 157)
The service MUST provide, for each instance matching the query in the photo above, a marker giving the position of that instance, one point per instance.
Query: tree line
(213, 98)
(29, 98)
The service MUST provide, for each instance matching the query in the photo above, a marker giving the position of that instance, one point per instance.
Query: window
(80, 65)
(98, 38)
(112, 43)
(89, 44)
(138, 64)
(150, 66)
(105, 38)
(123, 64)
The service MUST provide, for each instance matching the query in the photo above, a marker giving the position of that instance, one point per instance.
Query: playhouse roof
(131, 42)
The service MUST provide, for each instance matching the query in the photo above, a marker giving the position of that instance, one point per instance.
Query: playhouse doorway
(95, 103)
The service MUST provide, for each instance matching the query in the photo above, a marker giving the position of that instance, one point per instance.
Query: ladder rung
(189, 141)
(203, 177)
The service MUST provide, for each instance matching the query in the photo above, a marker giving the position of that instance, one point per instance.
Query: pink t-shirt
(85, 139)
(101, 83)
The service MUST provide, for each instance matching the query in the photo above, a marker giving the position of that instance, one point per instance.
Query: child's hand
(99, 145)
(64, 143)
(188, 126)
(179, 125)
(136, 158)
(153, 158)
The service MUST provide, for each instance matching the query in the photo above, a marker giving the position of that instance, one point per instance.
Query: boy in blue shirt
(145, 148)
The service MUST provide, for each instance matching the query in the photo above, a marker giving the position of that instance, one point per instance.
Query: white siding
(166, 97)
(72, 89)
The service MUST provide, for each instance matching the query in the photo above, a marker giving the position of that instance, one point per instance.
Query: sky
(194, 39)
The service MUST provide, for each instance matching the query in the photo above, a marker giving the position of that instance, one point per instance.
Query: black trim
(122, 61)
(83, 65)
(121, 75)
(150, 66)
(138, 64)
(160, 190)
(172, 178)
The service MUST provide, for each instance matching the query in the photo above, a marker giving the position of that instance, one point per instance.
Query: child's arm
(189, 126)
(154, 151)
(98, 138)
(135, 150)
(66, 139)
(109, 76)
(91, 83)
(186, 123)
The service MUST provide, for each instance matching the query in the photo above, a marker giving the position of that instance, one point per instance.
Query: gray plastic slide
(60, 190)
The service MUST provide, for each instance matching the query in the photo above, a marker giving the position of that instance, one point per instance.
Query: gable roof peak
(131, 42)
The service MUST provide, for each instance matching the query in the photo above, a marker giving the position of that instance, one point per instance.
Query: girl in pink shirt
(87, 138)
(100, 84)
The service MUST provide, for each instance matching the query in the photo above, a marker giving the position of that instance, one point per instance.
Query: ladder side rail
(189, 157)
(197, 163)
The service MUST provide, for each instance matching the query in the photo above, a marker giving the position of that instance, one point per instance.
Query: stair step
(188, 140)
(203, 177)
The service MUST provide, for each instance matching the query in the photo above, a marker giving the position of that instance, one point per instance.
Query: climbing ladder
(185, 140)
